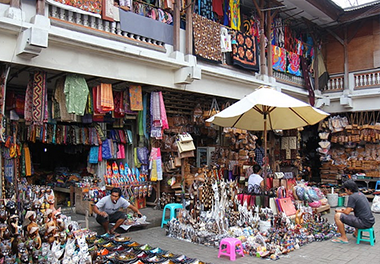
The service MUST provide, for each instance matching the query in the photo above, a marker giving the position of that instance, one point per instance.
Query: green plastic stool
(172, 207)
(367, 238)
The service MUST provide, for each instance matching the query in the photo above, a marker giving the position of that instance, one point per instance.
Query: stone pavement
(316, 252)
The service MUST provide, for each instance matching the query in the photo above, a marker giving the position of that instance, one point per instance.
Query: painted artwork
(294, 64)
(278, 58)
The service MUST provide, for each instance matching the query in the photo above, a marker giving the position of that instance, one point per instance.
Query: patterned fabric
(106, 98)
(39, 112)
(29, 100)
(94, 155)
(135, 96)
(76, 91)
(118, 102)
(294, 64)
(205, 9)
(93, 6)
(4, 71)
(155, 164)
(245, 52)
(279, 59)
(206, 38)
(259, 155)
(235, 14)
(156, 123)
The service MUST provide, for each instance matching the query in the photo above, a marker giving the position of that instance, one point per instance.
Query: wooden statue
(35, 236)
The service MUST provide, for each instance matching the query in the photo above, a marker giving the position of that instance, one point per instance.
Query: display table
(367, 181)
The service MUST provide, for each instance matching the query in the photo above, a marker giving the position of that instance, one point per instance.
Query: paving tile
(316, 252)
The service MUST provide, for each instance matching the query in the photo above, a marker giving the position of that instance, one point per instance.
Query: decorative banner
(278, 58)
(206, 35)
(294, 63)
(245, 53)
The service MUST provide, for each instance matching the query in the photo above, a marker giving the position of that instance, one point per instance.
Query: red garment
(217, 7)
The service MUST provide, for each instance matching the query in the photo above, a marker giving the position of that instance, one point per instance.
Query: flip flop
(113, 233)
(339, 241)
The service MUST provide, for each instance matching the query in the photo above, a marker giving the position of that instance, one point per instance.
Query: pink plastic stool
(229, 246)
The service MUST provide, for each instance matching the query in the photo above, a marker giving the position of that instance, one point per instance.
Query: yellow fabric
(153, 172)
(28, 161)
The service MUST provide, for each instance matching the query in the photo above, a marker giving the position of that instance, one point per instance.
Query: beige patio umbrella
(267, 104)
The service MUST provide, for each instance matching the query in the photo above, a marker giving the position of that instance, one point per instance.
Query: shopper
(362, 217)
(107, 211)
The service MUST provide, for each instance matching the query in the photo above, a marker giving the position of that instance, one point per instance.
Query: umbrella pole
(265, 152)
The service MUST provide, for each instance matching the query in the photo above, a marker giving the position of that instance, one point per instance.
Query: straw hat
(29, 214)
(33, 229)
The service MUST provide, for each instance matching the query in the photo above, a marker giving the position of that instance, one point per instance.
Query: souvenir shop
(155, 144)
(349, 148)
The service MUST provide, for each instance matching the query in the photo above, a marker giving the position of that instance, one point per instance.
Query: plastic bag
(376, 204)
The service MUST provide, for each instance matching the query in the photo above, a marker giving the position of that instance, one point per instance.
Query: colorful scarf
(164, 118)
(39, 111)
(135, 96)
(106, 97)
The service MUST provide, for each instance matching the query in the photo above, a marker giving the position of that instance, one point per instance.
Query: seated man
(358, 204)
(107, 210)
(255, 181)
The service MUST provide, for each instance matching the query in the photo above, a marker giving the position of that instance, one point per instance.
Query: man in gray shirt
(362, 217)
(107, 210)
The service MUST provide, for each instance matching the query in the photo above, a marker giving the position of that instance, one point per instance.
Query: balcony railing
(95, 22)
(289, 79)
(358, 80)
(367, 79)
(335, 83)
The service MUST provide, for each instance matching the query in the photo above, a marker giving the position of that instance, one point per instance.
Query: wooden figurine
(35, 236)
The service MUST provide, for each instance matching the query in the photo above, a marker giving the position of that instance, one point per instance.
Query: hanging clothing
(323, 75)
(225, 40)
(155, 164)
(94, 155)
(306, 76)
(217, 7)
(119, 107)
(144, 115)
(135, 95)
(76, 91)
(106, 97)
(205, 9)
(60, 99)
(235, 14)
(164, 119)
(29, 100)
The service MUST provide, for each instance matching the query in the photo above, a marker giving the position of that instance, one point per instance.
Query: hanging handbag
(185, 137)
